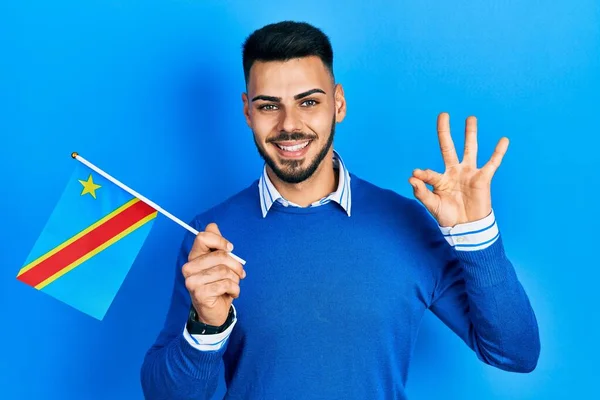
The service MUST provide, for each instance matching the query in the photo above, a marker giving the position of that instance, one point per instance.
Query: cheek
(320, 124)
(263, 127)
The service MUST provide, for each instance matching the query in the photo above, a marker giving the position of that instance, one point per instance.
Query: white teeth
(295, 147)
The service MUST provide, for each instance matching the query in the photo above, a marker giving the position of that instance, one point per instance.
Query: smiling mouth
(292, 146)
(292, 149)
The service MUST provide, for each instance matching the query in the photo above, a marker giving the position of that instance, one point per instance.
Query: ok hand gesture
(462, 193)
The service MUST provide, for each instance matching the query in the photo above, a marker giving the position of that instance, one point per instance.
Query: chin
(294, 172)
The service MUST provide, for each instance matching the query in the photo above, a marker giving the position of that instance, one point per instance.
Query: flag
(89, 243)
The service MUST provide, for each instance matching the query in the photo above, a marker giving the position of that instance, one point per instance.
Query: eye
(310, 103)
(267, 107)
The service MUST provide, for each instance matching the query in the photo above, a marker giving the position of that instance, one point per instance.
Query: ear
(246, 109)
(340, 103)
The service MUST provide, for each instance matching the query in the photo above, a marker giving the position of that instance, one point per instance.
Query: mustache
(286, 137)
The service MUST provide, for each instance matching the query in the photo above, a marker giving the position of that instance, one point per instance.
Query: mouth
(292, 149)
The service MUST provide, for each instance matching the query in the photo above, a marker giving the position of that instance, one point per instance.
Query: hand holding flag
(212, 277)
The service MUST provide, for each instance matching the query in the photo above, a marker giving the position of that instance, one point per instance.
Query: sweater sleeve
(479, 297)
(172, 368)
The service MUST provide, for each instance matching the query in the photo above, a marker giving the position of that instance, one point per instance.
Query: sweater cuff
(488, 267)
(198, 364)
(472, 236)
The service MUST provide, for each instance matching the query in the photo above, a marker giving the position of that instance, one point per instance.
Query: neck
(323, 182)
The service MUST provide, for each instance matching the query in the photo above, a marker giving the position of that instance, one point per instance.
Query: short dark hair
(286, 40)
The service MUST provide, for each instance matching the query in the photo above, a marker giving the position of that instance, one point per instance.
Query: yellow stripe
(97, 250)
(77, 236)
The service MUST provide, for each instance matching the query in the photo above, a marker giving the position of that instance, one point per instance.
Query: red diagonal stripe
(90, 241)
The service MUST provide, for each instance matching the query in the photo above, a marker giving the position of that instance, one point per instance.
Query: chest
(331, 279)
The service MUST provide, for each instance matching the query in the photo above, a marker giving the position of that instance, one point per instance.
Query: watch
(195, 327)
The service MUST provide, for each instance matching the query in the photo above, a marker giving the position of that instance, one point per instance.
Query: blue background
(151, 92)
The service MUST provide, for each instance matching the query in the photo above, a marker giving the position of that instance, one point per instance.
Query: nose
(290, 121)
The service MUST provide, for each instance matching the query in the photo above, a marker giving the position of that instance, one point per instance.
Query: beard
(291, 170)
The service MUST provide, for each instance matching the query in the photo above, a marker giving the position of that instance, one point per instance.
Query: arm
(477, 293)
(480, 298)
(180, 365)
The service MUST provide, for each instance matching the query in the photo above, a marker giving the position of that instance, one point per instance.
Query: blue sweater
(331, 304)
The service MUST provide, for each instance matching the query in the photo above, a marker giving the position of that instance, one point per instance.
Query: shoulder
(376, 200)
(374, 195)
(243, 203)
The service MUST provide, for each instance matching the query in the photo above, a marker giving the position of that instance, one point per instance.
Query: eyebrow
(296, 97)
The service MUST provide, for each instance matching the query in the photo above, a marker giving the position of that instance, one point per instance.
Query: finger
(428, 176)
(424, 195)
(209, 240)
(210, 260)
(446, 144)
(470, 156)
(489, 169)
(200, 291)
(224, 286)
(216, 273)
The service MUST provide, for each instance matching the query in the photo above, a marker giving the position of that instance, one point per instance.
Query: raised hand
(463, 192)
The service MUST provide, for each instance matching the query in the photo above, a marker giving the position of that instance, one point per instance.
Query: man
(339, 271)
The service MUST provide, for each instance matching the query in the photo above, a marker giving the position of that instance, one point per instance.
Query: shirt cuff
(472, 236)
(210, 342)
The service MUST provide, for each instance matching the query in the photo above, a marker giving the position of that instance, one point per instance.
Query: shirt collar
(269, 195)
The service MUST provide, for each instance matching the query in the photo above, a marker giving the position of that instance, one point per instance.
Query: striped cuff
(210, 342)
(472, 236)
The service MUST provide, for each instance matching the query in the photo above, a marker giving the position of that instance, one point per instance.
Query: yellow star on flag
(89, 186)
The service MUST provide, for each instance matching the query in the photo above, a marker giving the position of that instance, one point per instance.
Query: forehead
(287, 78)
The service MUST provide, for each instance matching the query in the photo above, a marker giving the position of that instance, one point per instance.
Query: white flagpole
(152, 204)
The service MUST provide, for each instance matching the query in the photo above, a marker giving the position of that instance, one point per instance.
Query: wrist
(197, 326)
(208, 321)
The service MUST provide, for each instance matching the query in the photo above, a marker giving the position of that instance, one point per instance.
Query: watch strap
(196, 327)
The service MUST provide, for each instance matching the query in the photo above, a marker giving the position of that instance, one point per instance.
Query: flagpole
(152, 204)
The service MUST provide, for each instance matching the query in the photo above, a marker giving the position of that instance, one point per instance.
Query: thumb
(209, 240)
(214, 228)
(423, 194)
